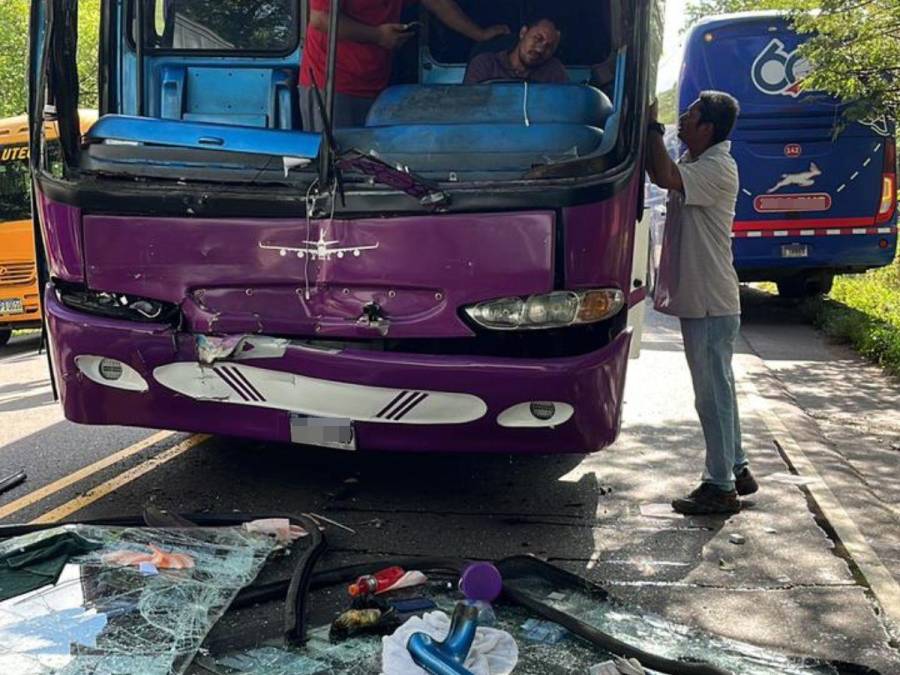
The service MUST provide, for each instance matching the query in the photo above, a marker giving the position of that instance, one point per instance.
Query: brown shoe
(707, 500)
(745, 483)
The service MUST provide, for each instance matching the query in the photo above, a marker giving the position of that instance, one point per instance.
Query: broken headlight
(550, 310)
(119, 305)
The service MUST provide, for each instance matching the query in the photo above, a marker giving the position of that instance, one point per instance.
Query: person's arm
(387, 35)
(660, 167)
(450, 14)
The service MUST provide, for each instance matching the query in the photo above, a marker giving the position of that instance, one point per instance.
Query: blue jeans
(709, 346)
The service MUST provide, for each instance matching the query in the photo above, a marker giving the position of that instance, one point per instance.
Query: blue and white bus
(818, 195)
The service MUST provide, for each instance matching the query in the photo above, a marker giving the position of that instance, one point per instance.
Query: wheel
(805, 285)
(4, 337)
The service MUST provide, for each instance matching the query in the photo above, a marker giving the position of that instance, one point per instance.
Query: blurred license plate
(323, 431)
(13, 306)
(795, 251)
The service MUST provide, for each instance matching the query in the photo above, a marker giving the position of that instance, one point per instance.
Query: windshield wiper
(427, 193)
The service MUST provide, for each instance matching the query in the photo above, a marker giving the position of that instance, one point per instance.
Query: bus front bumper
(111, 371)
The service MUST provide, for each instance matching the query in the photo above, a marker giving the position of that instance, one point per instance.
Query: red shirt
(361, 69)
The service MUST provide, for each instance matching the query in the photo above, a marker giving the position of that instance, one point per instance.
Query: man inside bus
(368, 33)
(698, 284)
(532, 59)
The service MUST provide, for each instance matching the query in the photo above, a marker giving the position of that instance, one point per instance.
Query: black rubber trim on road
(298, 589)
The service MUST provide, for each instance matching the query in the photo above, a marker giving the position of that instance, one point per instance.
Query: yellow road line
(114, 483)
(64, 482)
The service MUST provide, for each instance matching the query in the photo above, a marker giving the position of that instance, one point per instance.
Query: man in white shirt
(698, 284)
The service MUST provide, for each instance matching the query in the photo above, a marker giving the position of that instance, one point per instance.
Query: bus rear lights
(535, 415)
(550, 310)
(119, 305)
(110, 373)
(888, 190)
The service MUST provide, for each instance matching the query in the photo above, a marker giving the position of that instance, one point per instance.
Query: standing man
(698, 284)
(368, 34)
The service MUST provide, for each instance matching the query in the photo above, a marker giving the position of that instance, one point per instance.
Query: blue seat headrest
(501, 103)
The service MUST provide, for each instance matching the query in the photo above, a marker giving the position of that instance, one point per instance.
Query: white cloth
(494, 651)
(696, 273)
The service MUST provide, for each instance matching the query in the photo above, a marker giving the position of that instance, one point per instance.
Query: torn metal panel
(103, 616)
(239, 347)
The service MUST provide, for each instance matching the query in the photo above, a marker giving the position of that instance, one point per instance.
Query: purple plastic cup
(481, 581)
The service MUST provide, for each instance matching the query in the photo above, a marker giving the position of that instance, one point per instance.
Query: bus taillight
(888, 182)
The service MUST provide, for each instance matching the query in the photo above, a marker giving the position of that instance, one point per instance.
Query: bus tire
(805, 285)
(4, 336)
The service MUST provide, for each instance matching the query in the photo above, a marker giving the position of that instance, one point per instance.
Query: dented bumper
(396, 401)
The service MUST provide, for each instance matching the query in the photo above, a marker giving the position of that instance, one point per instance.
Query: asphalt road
(817, 574)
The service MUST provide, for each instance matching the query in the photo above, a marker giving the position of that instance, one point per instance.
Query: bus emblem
(800, 179)
(320, 249)
(777, 72)
(793, 150)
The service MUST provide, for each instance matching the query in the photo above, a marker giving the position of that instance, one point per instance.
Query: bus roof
(723, 20)
(14, 130)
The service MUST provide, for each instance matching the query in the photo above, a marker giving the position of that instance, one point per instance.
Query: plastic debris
(12, 480)
(148, 569)
(726, 566)
(160, 559)
(738, 539)
(280, 528)
(481, 581)
(618, 666)
(545, 632)
(493, 651)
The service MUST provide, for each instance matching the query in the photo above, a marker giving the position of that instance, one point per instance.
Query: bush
(864, 311)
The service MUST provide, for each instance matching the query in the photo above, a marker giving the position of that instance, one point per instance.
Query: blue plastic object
(447, 657)
(205, 135)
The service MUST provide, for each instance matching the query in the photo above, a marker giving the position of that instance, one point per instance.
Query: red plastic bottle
(376, 583)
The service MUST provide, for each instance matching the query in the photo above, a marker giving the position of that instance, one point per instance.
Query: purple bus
(464, 272)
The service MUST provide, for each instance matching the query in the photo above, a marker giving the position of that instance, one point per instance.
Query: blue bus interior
(218, 88)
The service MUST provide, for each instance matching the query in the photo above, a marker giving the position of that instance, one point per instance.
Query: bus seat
(478, 146)
(501, 103)
(258, 97)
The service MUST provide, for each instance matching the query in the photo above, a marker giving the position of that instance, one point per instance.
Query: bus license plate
(795, 251)
(323, 431)
(12, 306)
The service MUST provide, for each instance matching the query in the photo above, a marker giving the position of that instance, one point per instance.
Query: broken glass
(656, 635)
(108, 618)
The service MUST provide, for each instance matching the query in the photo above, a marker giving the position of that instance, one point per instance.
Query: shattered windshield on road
(140, 603)
(112, 600)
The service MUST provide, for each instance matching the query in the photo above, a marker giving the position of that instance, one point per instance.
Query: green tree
(14, 16)
(668, 106)
(13, 50)
(853, 45)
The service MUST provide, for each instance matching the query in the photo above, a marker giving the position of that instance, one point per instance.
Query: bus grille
(16, 273)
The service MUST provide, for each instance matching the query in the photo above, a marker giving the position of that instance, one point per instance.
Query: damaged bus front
(465, 271)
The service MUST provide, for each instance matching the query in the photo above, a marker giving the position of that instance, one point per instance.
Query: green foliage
(14, 15)
(864, 311)
(13, 50)
(668, 106)
(854, 46)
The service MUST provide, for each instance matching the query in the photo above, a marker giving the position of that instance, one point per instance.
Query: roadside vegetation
(864, 311)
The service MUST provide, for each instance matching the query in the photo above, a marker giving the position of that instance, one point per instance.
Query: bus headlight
(550, 310)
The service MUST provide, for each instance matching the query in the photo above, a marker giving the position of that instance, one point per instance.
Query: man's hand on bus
(660, 167)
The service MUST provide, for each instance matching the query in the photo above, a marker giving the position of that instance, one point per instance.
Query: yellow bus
(20, 305)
